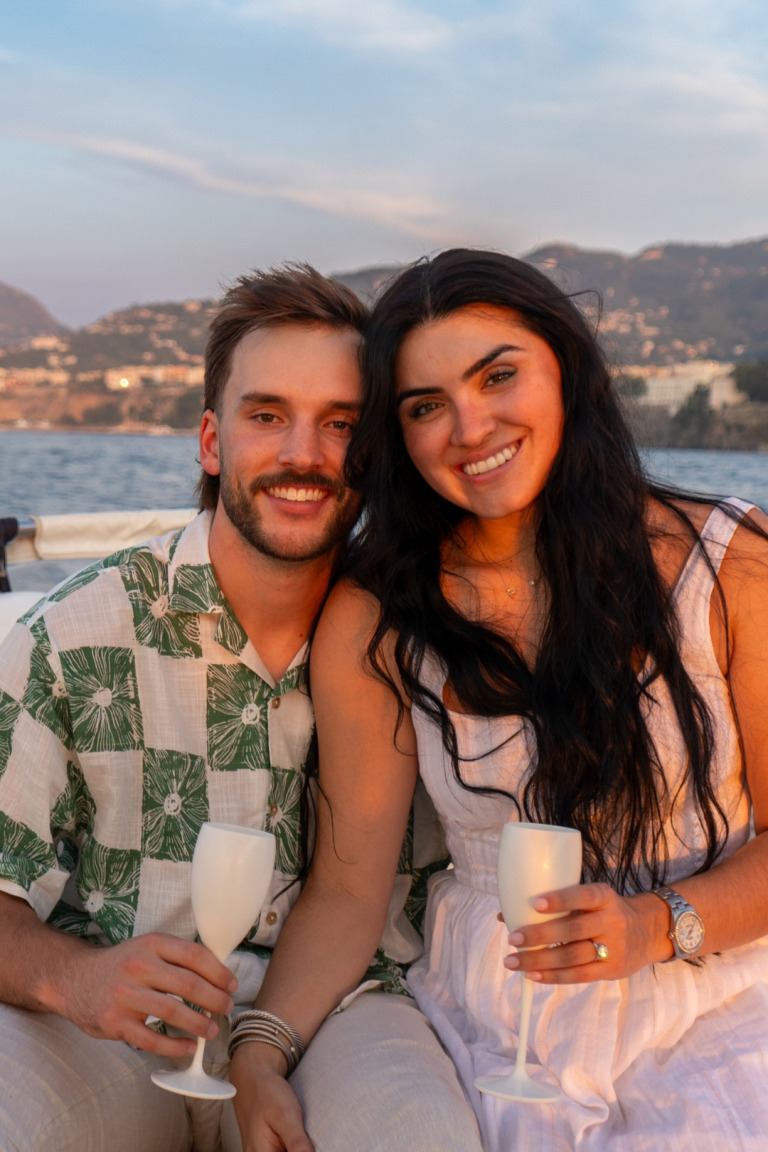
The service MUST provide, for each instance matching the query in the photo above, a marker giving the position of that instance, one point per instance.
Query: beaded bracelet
(256, 1026)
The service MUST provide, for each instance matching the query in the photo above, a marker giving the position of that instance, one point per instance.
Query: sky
(153, 150)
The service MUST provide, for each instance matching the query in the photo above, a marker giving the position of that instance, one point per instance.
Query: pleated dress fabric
(675, 1056)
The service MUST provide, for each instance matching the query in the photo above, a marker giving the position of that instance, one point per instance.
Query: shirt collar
(192, 587)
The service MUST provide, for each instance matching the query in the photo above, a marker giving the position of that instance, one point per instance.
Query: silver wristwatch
(687, 929)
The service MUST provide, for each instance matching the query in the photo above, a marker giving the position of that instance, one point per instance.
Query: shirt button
(276, 702)
(273, 809)
(271, 918)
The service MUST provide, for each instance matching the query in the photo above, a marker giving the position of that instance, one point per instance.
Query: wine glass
(533, 859)
(232, 869)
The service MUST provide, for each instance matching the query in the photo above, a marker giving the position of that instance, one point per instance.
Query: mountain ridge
(670, 302)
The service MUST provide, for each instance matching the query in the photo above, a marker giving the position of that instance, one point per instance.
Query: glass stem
(197, 1059)
(525, 1019)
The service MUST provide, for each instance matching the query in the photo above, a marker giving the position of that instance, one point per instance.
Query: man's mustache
(298, 480)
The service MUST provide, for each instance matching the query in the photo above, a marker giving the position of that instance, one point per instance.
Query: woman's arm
(366, 786)
(732, 897)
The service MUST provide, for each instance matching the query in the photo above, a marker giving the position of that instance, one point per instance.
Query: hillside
(669, 303)
(672, 302)
(23, 318)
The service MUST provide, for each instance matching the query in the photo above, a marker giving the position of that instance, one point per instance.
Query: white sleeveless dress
(676, 1056)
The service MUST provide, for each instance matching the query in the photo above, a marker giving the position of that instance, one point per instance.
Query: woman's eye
(423, 408)
(341, 425)
(501, 375)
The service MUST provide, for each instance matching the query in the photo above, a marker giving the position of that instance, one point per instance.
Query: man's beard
(240, 506)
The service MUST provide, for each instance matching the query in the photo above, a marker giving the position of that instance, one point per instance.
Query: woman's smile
(492, 462)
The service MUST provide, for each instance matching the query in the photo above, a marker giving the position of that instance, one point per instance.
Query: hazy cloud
(342, 194)
(397, 25)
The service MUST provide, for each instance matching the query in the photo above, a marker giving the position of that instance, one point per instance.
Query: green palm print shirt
(133, 707)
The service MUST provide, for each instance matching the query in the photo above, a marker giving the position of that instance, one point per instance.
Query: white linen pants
(375, 1079)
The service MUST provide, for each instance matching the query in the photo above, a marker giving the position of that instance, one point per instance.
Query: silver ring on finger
(601, 950)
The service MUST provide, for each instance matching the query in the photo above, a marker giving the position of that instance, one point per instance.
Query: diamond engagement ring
(601, 951)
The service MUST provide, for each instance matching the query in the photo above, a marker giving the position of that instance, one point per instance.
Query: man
(161, 688)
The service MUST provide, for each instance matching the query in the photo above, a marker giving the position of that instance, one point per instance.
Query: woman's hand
(268, 1113)
(631, 930)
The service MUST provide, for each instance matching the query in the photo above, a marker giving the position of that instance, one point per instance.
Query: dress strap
(693, 591)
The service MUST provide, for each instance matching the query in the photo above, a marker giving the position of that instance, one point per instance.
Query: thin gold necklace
(510, 589)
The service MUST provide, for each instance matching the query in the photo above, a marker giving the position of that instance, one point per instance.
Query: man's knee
(65, 1090)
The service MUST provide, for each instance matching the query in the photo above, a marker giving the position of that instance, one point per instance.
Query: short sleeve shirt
(133, 707)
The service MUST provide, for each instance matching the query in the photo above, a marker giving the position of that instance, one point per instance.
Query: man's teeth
(300, 494)
(489, 464)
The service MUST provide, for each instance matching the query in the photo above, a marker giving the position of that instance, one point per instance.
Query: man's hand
(109, 992)
(268, 1113)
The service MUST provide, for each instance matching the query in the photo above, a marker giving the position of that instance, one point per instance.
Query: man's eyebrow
(262, 398)
(274, 398)
(484, 361)
(345, 405)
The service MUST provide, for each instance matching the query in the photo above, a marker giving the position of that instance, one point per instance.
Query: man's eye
(264, 417)
(341, 425)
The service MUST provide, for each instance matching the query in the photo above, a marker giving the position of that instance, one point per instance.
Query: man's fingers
(176, 981)
(193, 957)
(174, 1047)
(179, 1015)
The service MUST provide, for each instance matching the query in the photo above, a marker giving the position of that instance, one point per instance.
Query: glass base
(518, 1086)
(197, 1084)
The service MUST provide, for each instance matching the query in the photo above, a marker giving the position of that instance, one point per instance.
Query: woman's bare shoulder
(349, 612)
(341, 649)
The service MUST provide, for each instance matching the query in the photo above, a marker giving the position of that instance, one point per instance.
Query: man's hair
(291, 294)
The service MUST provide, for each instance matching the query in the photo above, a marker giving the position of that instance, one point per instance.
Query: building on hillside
(669, 385)
(19, 379)
(142, 375)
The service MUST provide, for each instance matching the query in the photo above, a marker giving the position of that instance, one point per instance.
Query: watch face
(689, 932)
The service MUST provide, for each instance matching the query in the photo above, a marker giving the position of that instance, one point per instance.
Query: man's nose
(302, 447)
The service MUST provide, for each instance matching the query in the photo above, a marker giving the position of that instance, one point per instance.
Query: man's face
(280, 436)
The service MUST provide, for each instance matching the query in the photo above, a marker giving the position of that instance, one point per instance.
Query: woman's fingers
(590, 939)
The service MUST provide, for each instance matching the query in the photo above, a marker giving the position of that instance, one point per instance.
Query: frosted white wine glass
(232, 869)
(533, 859)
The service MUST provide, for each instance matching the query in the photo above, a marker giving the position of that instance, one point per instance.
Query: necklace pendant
(511, 592)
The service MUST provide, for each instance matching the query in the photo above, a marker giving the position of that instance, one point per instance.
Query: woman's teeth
(489, 464)
(300, 494)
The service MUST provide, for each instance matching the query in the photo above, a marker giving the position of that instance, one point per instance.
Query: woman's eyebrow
(411, 392)
(484, 361)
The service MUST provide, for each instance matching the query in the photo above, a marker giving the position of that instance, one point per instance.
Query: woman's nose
(472, 425)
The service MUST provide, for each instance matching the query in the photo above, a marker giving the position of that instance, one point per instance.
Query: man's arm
(109, 992)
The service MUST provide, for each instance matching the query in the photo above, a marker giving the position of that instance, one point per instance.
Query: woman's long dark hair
(610, 633)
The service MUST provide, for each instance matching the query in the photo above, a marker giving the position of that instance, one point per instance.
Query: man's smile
(298, 494)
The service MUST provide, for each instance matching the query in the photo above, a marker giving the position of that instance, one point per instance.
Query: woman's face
(481, 409)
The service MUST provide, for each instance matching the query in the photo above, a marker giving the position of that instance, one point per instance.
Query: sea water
(53, 472)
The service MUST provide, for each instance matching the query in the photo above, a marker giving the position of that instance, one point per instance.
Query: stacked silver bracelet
(256, 1027)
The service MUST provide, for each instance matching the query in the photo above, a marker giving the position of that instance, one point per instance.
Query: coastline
(101, 430)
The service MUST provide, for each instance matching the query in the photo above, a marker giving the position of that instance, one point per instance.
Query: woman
(557, 640)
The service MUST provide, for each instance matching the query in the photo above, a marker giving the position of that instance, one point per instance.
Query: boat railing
(72, 536)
